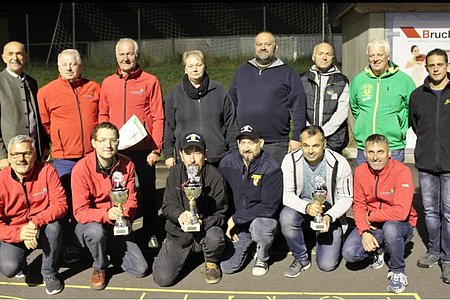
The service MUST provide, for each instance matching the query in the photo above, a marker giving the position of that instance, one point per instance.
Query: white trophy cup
(192, 190)
(119, 196)
(319, 196)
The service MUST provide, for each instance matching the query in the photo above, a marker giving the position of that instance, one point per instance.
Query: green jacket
(380, 105)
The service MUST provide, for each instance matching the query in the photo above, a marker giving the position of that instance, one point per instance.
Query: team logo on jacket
(138, 92)
(42, 193)
(256, 178)
(88, 96)
(367, 92)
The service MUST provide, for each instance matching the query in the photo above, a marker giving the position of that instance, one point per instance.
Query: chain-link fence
(79, 25)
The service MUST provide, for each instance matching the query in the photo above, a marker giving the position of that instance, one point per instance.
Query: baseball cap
(250, 132)
(193, 139)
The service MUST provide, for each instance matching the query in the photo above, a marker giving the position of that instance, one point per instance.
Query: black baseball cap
(193, 139)
(250, 132)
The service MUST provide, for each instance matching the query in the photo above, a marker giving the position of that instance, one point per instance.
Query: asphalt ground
(346, 282)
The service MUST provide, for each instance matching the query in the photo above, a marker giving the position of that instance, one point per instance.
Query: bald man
(327, 97)
(18, 94)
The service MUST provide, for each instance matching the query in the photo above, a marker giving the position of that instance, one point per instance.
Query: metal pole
(28, 34)
(264, 18)
(54, 34)
(73, 26)
(323, 22)
(139, 26)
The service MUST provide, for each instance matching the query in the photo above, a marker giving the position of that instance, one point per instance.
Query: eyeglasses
(108, 142)
(17, 155)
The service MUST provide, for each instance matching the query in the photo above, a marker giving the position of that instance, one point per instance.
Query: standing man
(211, 207)
(19, 112)
(305, 171)
(32, 201)
(327, 95)
(429, 112)
(379, 97)
(269, 94)
(383, 212)
(256, 183)
(92, 181)
(69, 110)
(132, 91)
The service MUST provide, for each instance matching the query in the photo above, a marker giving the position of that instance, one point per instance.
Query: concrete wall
(157, 50)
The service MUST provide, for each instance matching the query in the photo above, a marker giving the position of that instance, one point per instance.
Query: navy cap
(250, 132)
(193, 139)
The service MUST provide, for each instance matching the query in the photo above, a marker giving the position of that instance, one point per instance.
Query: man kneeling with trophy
(195, 202)
(317, 192)
(104, 205)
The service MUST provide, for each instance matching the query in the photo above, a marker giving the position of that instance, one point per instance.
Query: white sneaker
(260, 268)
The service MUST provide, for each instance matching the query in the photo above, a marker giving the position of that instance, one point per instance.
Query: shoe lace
(259, 263)
(294, 264)
(398, 277)
(210, 265)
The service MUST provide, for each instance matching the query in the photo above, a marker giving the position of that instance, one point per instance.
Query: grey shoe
(296, 267)
(53, 285)
(428, 260)
(446, 271)
(260, 268)
(378, 261)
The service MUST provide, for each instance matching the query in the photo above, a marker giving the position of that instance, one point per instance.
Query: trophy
(119, 196)
(192, 189)
(319, 195)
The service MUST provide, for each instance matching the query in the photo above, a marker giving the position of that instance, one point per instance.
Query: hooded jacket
(380, 105)
(339, 180)
(269, 99)
(327, 104)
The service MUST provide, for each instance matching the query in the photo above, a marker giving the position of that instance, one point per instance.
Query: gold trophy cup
(192, 190)
(319, 196)
(119, 196)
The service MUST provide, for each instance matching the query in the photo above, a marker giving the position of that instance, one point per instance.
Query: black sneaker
(213, 273)
(53, 285)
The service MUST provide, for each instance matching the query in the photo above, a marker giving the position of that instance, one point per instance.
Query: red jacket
(69, 115)
(138, 94)
(40, 199)
(91, 187)
(388, 195)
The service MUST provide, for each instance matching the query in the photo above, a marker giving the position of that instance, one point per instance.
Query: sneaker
(213, 273)
(446, 271)
(397, 282)
(53, 285)
(296, 267)
(153, 243)
(427, 260)
(260, 268)
(378, 261)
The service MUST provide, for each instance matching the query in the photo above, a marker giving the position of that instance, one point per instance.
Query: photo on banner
(411, 37)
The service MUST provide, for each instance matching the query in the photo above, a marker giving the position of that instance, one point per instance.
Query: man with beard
(269, 93)
(256, 184)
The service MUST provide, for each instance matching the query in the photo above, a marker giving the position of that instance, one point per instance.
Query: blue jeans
(100, 241)
(392, 237)
(13, 255)
(435, 189)
(395, 155)
(261, 231)
(328, 244)
(172, 257)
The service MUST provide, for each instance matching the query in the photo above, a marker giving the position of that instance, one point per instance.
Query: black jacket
(212, 203)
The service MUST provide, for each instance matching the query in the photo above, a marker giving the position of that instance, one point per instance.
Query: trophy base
(191, 227)
(318, 226)
(121, 230)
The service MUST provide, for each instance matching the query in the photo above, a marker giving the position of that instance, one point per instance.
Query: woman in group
(199, 104)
